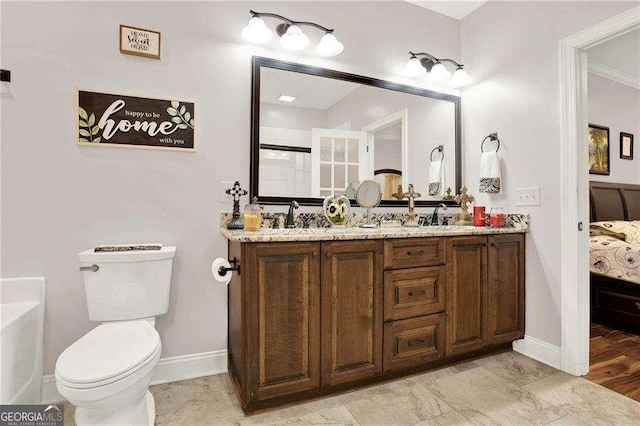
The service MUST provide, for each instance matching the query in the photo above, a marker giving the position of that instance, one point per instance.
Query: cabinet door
(284, 324)
(466, 294)
(506, 288)
(351, 311)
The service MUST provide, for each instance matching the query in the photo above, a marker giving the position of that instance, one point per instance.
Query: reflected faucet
(434, 217)
(290, 222)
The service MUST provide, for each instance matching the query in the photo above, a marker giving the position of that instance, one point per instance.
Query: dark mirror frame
(259, 62)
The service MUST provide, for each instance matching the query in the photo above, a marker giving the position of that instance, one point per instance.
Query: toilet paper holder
(235, 266)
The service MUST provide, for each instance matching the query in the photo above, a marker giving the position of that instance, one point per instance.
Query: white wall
(291, 117)
(511, 50)
(616, 106)
(59, 199)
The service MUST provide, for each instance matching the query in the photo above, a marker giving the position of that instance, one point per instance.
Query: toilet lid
(107, 351)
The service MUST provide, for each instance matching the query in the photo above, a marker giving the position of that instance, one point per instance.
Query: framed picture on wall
(139, 42)
(626, 146)
(598, 150)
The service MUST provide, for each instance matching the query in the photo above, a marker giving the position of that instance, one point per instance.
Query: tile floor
(504, 389)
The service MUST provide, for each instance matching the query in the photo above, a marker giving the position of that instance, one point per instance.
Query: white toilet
(106, 373)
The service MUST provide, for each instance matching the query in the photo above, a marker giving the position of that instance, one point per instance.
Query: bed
(615, 255)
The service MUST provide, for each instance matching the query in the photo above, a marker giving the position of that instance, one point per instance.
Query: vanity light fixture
(287, 98)
(436, 69)
(291, 35)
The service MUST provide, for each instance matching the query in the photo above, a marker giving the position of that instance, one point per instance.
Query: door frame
(402, 116)
(574, 195)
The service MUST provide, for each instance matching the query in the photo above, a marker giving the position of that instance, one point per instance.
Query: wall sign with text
(139, 42)
(107, 119)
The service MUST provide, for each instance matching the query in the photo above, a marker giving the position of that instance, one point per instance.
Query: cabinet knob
(314, 254)
(328, 255)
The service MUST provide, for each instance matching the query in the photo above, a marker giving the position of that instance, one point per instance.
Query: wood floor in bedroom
(614, 360)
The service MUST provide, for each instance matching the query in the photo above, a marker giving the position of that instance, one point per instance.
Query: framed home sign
(110, 119)
(598, 150)
(139, 42)
(626, 146)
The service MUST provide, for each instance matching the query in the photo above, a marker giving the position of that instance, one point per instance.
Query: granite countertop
(356, 233)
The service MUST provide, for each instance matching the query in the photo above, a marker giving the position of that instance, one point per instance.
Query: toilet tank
(128, 284)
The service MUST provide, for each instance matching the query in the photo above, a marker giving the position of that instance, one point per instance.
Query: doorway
(575, 333)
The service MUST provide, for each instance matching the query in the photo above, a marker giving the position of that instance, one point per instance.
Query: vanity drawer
(414, 292)
(413, 252)
(414, 341)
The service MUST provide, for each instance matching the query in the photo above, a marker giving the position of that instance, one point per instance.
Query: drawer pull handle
(314, 254)
(415, 253)
(638, 305)
(415, 342)
(328, 255)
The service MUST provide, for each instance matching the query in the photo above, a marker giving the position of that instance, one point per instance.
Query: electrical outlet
(224, 197)
(528, 196)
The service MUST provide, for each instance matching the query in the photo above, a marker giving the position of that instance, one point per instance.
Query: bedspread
(615, 258)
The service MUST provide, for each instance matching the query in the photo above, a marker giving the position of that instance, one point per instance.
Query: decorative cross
(236, 192)
(448, 196)
(411, 195)
(464, 199)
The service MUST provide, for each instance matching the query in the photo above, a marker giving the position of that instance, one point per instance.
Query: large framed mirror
(317, 132)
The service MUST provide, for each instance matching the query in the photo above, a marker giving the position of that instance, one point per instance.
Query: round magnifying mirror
(368, 195)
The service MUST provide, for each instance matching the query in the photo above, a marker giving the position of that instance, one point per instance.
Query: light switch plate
(224, 185)
(528, 196)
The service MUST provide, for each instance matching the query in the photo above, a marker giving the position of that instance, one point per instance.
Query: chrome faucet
(434, 217)
(290, 222)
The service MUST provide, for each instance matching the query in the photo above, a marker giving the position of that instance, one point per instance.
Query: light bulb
(329, 45)
(460, 78)
(438, 72)
(294, 39)
(414, 68)
(256, 31)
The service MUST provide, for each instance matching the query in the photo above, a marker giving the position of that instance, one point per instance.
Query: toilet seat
(108, 353)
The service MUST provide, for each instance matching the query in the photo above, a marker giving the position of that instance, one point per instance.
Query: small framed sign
(626, 146)
(109, 119)
(139, 42)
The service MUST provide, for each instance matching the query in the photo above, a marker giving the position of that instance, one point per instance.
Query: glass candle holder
(252, 216)
(496, 217)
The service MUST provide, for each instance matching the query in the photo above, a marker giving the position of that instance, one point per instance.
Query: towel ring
(491, 137)
(437, 148)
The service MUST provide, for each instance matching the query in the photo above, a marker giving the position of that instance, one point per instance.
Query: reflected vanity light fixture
(437, 71)
(291, 35)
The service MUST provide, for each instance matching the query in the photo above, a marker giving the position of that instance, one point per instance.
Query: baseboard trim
(539, 350)
(171, 369)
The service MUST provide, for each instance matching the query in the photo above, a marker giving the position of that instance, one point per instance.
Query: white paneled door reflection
(338, 158)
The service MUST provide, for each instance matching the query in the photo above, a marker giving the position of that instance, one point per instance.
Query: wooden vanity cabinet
(351, 311)
(283, 318)
(505, 298)
(485, 291)
(312, 318)
(414, 302)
